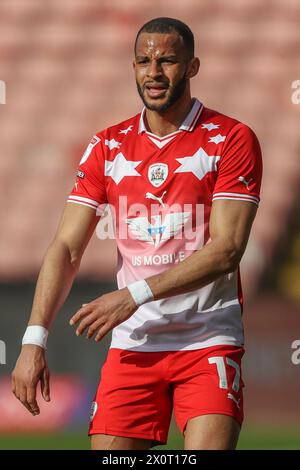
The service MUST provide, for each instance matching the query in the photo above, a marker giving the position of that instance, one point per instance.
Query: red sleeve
(89, 187)
(240, 167)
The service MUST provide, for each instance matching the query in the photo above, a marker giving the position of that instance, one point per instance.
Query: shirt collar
(187, 125)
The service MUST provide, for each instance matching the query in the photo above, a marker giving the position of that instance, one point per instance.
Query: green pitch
(251, 438)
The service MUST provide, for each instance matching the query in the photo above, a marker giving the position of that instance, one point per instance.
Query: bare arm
(61, 262)
(230, 225)
(55, 280)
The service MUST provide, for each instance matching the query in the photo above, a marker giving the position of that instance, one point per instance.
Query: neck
(162, 123)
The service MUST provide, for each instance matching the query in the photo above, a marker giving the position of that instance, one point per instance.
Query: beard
(175, 93)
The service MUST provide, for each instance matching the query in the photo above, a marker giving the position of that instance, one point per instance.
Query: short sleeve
(240, 167)
(89, 187)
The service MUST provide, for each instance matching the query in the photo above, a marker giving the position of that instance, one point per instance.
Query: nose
(154, 69)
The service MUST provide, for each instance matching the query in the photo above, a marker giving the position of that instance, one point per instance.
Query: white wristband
(140, 292)
(36, 334)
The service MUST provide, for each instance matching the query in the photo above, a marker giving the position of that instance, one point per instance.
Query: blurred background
(66, 73)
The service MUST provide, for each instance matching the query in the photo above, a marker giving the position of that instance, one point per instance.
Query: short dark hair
(167, 25)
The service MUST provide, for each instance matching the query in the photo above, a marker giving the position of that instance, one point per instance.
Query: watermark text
(295, 358)
(2, 352)
(296, 94)
(2, 92)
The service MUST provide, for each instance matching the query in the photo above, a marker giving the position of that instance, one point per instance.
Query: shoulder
(110, 138)
(214, 121)
(120, 131)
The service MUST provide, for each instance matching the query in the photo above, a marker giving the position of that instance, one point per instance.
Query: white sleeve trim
(82, 204)
(84, 201)
(236, 196)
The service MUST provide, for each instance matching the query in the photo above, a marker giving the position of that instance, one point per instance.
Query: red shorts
(139, 390)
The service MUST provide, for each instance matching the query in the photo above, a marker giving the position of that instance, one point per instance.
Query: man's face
(160, 69)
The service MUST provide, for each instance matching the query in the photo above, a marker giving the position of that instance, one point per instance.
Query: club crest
(158, 173)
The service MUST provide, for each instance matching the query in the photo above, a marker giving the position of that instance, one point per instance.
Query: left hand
(103, 314)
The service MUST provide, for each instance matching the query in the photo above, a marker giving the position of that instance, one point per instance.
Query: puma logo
(243, 180)
(156, 198)
(232, 397)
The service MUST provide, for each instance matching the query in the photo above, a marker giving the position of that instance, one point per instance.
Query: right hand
(31, 367)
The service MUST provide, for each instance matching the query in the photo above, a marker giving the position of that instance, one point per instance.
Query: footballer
(183, 182)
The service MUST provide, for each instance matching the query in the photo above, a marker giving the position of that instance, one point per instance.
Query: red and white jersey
(160, 191)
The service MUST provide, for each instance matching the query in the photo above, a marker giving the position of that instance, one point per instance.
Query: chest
(183, 171)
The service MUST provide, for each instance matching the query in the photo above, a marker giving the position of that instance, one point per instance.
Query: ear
(193, 67)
